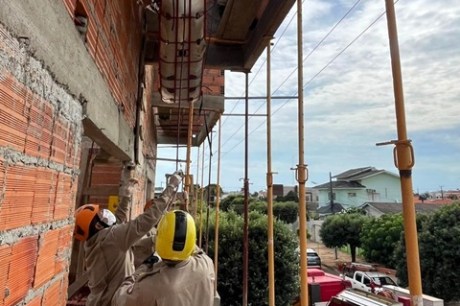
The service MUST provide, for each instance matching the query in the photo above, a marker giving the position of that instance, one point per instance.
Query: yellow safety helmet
(176, 236)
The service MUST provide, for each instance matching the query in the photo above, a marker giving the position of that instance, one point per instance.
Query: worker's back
(108, 265)
(188, 283)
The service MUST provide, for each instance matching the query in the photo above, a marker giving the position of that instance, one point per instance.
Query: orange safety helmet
(84, 215)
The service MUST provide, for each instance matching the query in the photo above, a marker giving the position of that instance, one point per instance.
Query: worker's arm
(129, 233)
(125, 193)
(125, 197)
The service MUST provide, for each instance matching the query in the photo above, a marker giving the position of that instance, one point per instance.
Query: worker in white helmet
(184, 276)
(108, 254)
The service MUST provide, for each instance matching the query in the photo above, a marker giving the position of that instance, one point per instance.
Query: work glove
(127, 189)
(175, 179)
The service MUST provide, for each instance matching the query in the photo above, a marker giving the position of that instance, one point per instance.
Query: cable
(316, 75)
(260, 68)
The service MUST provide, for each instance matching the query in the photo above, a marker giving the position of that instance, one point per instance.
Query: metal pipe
(216, 226)
(208, 198)
(196, 191)
(140, 91)
(201, 198)
(246, 201)
(189, 152)
(271, 250)
(404, 161)
(301, 167)
(241, 115)
(263, 98)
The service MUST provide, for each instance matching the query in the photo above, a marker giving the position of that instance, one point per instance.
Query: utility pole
(442, 193)
(331, 194)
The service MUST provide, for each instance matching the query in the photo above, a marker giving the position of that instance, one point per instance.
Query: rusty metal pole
(196, 191)
(301, 172)
(246, 199)
(271, 247)
(189, 152)
(404, 160)
(201, 199)
(216, 231)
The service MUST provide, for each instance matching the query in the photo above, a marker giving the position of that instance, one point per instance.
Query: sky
(348, 99)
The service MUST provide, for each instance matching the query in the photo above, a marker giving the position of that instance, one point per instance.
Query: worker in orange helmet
(184, 275)
(107, 243)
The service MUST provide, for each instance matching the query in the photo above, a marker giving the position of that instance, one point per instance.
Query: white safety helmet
(107, 217)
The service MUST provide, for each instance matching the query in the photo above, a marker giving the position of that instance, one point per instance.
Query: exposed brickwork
(213, 82)
(40, 136)
(21, 269)
(45, 268)
(113, 39)
(105, 175)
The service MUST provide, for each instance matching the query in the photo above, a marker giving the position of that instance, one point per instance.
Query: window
(352, 194)
(366, 281)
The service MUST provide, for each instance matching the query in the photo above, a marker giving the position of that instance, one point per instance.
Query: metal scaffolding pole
(301, 171)
(404, 161)
(246, 201)
(188, 180)
(216, 231)
(271, 247)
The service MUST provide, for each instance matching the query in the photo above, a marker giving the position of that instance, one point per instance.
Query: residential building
(354, 187)
(376, 209)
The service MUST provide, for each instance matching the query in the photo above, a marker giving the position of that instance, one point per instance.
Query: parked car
(313, 258)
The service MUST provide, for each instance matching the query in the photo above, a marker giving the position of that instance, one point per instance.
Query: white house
(354, 187)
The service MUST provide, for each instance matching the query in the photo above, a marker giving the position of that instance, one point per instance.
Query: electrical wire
(317, 74)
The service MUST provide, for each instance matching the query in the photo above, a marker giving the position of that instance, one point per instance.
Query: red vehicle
(323, 286)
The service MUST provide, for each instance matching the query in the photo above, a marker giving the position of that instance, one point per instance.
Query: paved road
(329, 257)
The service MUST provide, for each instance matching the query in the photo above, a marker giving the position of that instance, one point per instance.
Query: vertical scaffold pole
(301, 172)
(404, 161)
(216, 231)
(246, 199)
(271, 247)
(188, 180)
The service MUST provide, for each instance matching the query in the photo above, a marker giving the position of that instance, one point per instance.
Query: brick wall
(113, 39)
(40, 136)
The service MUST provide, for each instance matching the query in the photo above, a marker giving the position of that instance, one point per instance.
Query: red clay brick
(54, 295)
(5, 254)
(64, 243)
(36, 301)
(21, 269)
(42, 210)
(64, 197)
(46, 261)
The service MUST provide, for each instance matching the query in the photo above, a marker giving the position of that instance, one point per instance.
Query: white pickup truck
(369, 281)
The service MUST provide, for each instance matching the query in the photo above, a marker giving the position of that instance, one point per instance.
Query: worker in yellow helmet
(184, 276)
(108, 254)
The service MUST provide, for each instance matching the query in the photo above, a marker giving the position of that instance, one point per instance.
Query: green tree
(286, 211)
(439, 245)
(379, 238)
(343, 229)
(230, 264)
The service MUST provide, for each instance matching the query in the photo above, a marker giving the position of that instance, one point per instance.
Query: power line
(318, 73)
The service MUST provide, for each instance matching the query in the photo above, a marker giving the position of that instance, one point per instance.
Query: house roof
(432, 201)
(350, 178)
(340, 184)
(361, 173)
(337, 207)
(393, 208)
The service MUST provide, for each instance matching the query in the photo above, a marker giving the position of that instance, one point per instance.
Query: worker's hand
(127, 189)
(175, 179)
